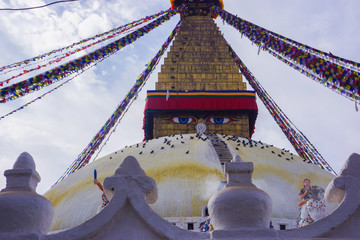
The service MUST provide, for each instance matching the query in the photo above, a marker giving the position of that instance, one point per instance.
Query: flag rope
(297, 139)
(336, 73)
(49, 77)
(85, 156)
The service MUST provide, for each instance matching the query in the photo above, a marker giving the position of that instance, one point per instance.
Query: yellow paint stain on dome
(262, 170)
(289, 167)
(58, 196)
(182, 169)
(184, 187)
(56, 225)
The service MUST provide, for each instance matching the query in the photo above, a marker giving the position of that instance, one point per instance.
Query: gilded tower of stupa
(200, 88)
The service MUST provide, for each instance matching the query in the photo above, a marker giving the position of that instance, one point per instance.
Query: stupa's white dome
(188, 172)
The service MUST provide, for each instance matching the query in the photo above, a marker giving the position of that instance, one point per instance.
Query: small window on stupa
(190, 226)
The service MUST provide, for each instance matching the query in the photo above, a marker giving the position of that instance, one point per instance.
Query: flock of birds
(170, 142)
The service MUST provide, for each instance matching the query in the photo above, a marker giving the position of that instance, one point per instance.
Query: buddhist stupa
(199, 116)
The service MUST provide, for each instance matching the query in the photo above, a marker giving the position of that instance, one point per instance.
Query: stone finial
(23, 211)
(23, 176)
(240, 205)
(130, 168)
(239, 173)
(349, 174)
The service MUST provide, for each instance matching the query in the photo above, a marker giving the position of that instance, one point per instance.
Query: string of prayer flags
(298, 140)
(49, 77)
(336, 73)
(48, 92)
(85, 156)
(328, 56)
(313, 76)
(35, 60)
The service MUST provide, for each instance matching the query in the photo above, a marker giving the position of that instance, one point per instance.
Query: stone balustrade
(240, 210)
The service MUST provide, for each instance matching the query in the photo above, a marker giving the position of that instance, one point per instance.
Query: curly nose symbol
(201, 128)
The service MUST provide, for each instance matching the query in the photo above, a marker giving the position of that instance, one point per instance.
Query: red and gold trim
(201, 100)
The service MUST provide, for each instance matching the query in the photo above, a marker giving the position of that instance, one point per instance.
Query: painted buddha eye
(219, 120)
(182, 120)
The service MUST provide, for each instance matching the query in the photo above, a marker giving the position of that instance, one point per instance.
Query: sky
(55, 129)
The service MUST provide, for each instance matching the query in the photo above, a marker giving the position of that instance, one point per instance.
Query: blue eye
(219, 120)
(182, 120)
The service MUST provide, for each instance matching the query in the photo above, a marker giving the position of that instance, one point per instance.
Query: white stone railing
(240, 210)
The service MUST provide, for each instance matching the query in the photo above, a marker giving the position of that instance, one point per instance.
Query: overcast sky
(57, 128)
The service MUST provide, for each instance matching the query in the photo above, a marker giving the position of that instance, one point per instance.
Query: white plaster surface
(187, 175)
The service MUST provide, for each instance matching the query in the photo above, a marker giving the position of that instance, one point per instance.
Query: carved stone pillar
(23, 211)
(240, 208)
